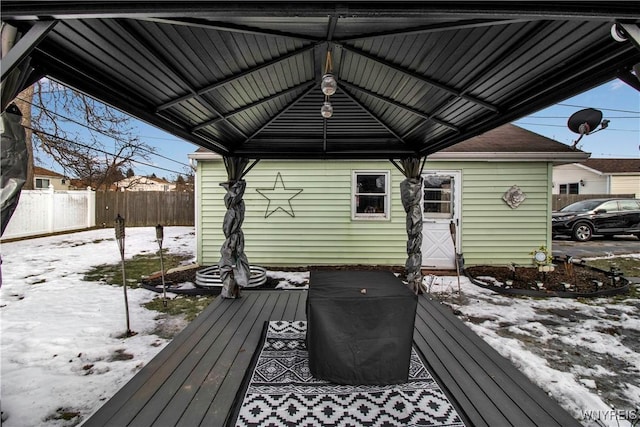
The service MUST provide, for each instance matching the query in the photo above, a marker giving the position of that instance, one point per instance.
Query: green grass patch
(629, 266)
(65, 414)
(185, 305)
(135, 268)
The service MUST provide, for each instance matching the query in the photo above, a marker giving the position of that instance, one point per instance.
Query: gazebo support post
(410, 193)
(233, 264)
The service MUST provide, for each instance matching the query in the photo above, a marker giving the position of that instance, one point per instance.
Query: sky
(61, 349)
(619, 103)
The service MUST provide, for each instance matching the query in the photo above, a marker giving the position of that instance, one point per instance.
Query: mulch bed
(584, 281)
(154, 282)
(567, 280)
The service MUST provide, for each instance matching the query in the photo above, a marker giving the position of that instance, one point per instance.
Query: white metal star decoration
(279, 197)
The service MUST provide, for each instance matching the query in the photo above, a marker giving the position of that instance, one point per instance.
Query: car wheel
(582, 232)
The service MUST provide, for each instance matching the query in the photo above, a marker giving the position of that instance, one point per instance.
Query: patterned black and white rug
(282, 392)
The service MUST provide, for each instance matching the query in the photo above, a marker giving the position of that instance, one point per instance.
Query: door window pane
(438, 196)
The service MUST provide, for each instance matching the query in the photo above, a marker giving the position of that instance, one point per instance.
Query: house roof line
(587, 168)
(614, 166)
(557, 157)
(40, 171)
(497, 156)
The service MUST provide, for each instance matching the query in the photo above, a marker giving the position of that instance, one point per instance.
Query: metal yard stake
(159, 237)
(119, 226)
(452, 231)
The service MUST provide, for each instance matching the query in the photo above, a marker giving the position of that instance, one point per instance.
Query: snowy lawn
(63, 357)
(584, 353)
(61, 351)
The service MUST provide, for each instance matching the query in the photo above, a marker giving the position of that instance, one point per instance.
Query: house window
(570, 188)
(370, 195)
(438, 196)
(42, 183)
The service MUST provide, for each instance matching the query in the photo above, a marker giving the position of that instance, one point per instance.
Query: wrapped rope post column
(410, 190)
(14, 162)
(234, 265)
(411, 195)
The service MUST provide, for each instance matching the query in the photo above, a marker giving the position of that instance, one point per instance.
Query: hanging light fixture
(327, 109)
(329, 85)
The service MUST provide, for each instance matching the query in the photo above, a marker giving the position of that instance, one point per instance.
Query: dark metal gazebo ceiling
(243, 79)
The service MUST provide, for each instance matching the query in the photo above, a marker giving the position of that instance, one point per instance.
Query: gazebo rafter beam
(373, 115)
(164, 62)
(419, 77)
(435, 28)
(223, 82)
(227, 27)
(230, 114)
(24, 46)
(411, 110)
(284, 110)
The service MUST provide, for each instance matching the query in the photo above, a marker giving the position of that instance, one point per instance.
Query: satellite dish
(585, 121)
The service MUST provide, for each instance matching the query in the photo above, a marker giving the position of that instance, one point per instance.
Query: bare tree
(90, 140)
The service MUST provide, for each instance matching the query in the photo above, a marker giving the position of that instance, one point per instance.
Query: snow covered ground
(62, 350)
(584, 353)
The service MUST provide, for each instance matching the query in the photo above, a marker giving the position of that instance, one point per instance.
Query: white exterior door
(440, 207)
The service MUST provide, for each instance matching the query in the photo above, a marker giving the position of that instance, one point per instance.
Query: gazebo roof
(243, 79)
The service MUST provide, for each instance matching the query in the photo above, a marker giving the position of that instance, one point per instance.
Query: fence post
(91, 208)
(50, 208)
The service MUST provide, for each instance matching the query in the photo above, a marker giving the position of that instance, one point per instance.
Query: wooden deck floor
(195, 380)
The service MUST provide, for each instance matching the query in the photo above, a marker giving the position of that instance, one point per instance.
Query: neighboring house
(315, 212)
(43, 178)
(598, 176)
(144, 183)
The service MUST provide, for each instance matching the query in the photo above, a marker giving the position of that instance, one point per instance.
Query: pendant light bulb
(326, 110)
(329, 84)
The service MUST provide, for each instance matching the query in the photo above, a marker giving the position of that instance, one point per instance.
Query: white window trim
(42, 181)
(386, 216)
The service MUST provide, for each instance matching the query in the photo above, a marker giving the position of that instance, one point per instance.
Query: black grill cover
(360, 327)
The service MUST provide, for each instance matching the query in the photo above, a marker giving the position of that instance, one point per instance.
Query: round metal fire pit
(209, 277)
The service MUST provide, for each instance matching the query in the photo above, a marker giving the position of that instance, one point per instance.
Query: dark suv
(581, 220)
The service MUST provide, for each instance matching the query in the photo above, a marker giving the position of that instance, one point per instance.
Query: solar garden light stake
(119, 227)
(159, 237)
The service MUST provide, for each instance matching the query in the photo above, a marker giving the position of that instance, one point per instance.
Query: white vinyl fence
(48, 211)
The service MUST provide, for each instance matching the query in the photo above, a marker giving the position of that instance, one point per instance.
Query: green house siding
(322, 231)
(493, 232)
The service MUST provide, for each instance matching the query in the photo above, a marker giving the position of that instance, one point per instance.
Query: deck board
(512, 392)
(196, 379)
(498, 393)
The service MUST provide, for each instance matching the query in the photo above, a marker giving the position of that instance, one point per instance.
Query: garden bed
(569, 280)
